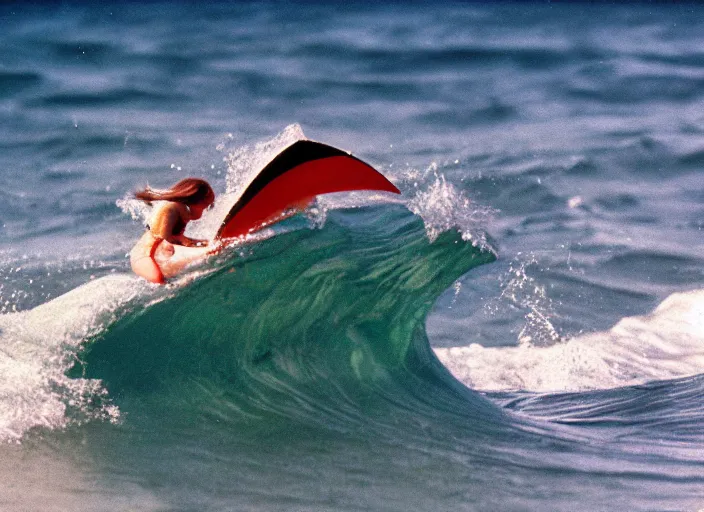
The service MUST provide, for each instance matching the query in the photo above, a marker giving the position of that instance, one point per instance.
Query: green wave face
(320, 319)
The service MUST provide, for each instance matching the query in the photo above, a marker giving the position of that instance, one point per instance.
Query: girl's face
(198, 208)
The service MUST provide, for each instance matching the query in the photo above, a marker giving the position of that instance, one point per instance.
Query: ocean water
(522, 330)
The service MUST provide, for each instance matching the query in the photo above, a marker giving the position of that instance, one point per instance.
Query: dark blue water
(524, 330)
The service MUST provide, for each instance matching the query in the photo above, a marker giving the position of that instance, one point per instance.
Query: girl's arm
(165, 222)
(188, 242)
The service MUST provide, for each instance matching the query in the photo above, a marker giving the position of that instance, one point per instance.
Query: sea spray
(40, 345)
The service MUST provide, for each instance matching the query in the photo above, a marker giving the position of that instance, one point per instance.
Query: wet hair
(188, 191)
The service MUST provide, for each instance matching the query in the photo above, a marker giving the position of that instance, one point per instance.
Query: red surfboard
(290, 182)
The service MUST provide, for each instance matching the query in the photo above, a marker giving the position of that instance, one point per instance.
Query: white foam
(665, 344)
(38, 346)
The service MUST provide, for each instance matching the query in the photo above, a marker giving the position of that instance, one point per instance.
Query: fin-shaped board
(292, 179)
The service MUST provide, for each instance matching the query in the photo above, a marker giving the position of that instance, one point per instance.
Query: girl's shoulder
(169, 209)
(165, 216)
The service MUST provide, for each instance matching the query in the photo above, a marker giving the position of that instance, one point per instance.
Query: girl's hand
(165, 249)
(215, 247)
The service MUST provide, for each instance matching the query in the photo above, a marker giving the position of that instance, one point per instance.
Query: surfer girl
(153, 258)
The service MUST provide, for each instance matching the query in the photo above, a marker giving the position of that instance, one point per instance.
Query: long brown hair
(188, 191)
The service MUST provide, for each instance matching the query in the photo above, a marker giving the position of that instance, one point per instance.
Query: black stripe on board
(296, 154)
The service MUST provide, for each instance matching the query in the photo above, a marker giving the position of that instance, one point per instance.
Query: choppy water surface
(523, 330)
